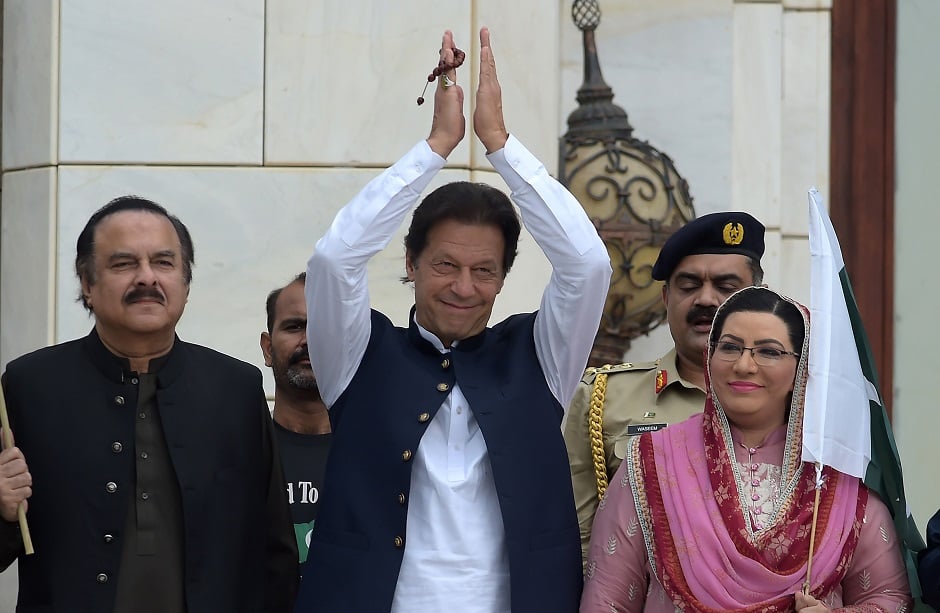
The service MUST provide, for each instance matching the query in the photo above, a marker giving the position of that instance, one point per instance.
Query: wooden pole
(7, 443)
(812, 532)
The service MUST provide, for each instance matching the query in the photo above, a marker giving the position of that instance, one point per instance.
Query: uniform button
(142, 415)
(111, 487)
(102, 578)
(399, 542)
(402, 498)
(442, 387)
(145, 496)
(134, 380)
(406, 455)
(144, 455)
(116, 447)
(424, 417)
(108, 538)
(118, 400)
(445, 363)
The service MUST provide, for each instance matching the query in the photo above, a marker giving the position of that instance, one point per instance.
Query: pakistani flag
(838, 431)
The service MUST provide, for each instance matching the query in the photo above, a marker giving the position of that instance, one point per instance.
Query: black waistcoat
(359, 536)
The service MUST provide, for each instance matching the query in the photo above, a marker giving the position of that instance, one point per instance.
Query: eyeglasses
(763, 356)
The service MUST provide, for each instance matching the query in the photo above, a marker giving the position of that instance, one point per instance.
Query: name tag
(634, 429)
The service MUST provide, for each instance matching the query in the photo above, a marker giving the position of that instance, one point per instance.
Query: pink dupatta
(701, 542)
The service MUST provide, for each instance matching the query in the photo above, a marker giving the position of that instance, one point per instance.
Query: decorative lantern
(630, 190)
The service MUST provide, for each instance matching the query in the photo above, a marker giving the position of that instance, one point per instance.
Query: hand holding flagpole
(808, 584)
(7, 443)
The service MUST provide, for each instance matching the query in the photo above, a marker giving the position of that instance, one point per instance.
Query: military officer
(702, 264)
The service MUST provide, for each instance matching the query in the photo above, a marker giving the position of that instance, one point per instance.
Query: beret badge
(733, 233)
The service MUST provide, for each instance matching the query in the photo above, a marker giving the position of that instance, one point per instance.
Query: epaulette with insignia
(591, 373)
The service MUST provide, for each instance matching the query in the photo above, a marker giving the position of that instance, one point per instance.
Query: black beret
(728, 232)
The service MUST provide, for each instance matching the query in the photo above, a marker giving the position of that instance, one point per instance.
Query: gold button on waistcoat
(424, 417)
(111, 486)
(399, 542)
(402, 498)
(119, 400)
(406, 455)
(442, 387)
(445, 363)
(102, 578)
(116, 447)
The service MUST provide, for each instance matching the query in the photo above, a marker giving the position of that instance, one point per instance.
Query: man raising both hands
(448, 485)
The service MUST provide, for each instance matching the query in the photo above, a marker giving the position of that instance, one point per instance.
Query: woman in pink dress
(714, 513)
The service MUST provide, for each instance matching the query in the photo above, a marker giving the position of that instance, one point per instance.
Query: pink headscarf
(702, 544)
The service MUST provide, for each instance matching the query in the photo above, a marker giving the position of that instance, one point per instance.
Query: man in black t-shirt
(301, 421)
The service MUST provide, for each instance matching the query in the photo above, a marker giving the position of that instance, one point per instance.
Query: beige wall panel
(808, 4)
(342, 77)
(30, 71)
(793, 279)
(27, 262)
(917, 217)
(804, 150)
(756, 108)
(670, 66)
(173, 81)
(525, 41)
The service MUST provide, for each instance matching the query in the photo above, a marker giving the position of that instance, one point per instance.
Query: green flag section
(884, 471)
(883, 474)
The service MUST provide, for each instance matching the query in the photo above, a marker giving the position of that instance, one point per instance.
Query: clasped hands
(449, 125)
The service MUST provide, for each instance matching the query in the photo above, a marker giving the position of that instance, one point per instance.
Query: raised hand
(449, 124)
(488, 121)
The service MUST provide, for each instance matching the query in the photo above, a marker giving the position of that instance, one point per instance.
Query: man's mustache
(299, 355)
(699, 312)
(144, 293)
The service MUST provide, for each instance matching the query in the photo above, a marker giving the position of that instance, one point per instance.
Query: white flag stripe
(836, 421)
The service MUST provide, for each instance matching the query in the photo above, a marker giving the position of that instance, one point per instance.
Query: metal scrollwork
(630, 190)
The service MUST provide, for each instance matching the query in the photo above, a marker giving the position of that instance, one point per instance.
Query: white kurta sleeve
(337, 291)
(572, 302)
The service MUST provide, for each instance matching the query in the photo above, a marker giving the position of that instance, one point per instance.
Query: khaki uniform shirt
(640, 397)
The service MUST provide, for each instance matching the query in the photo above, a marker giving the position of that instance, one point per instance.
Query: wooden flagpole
(7, 443)
(812, 534)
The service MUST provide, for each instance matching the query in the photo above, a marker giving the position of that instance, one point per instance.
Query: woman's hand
(808, 604)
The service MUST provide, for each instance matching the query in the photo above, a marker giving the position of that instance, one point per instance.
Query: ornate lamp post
(631, 191)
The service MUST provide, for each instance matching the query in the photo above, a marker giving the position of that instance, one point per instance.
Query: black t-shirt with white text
(304, 459)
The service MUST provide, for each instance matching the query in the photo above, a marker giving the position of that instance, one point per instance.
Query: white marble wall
(917, 217)
(30, 83)
(169, 82)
